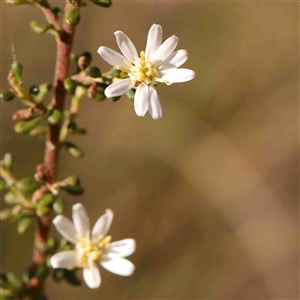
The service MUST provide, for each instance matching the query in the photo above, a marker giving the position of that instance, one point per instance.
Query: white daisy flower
(158, 63)
(92, 247)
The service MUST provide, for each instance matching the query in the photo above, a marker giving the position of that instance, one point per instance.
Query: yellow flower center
(89, 251)
(142, 71)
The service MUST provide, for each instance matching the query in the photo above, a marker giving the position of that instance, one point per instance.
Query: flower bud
(70, 85)
(73, 17)
(73, 149)
(17, 69)
(58, 206)
(54, 116)
(26, 126)
(103, 3)
(93, 72)
(6, 96)
(8, 160)
(23, 225)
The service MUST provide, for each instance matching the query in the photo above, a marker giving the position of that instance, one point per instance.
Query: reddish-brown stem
(64, 45)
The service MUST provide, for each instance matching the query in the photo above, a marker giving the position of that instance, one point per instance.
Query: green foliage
(93, 71)
(73, 149)
(70, 85)
(27, 185)
(73, 17)
(41, 28)
(26, 126)
(6, 96)
(23, 224)
(103, 3)
(54, 116)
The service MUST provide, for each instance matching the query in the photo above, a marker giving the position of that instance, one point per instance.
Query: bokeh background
(210, 191)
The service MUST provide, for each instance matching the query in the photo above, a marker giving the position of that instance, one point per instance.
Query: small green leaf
(70, 276)
(17, 69)
(93, 71)
(27, 185)
(58, 206)
(41, 28)
(103, 3)
(26, 126)
(6, 96)
(73, 17)
(23, 225)
(115, 99)
(38, 130)
(73, 149)
(130, 95)
(54, 116)
(74, 190)
(12, 281)
(70, 85)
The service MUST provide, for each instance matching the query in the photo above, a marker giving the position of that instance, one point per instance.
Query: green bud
(26, 126)
(34, 90)
(5, 214)
(23, 224)
(17, 69)
(40, 28)
(130, 95)
(103, 3)
(93, 71)
(3, 185)
(58, 206)
(54, 116)
(73, 149)
(74, 190)
(10, 198)
(38, 130)
(27, 185)
(70, 85)
(115, 99)
(73, 17)
(58, 274)
(6, 96)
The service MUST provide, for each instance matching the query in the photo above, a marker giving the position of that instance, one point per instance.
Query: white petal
(119, 266)
(175, 60)
(102, 225)
(126, 46)
(66, 228)
(64, 260)
(112, 57)
(154, 40)
(154, 105)
(119, 88)
(91, 276)
(81, 220)
(165, 50)
(141, 100)
(121, 248)
(179, 75)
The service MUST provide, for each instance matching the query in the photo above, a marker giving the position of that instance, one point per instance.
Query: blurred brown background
(210, 192)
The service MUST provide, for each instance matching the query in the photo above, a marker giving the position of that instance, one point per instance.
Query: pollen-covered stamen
(89, 251)
(142, 71)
